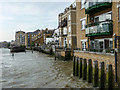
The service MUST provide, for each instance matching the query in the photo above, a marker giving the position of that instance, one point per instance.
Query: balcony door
(106, 44)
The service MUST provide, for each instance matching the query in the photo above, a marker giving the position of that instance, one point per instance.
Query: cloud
(28, 16)
(2, 18)
(19, 9)
(37, 0)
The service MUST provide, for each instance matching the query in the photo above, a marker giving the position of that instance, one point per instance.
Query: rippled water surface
(37, 70)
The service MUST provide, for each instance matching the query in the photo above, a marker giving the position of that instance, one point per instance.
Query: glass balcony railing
(97, 5)
(100, 28)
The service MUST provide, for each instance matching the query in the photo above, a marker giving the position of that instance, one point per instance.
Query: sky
(28, 17)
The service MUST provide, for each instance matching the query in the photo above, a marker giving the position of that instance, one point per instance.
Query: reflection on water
(37, 70)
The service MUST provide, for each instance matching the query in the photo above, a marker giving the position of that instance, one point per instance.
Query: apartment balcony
(63, 34)
(99, 29)
(97, 5)
(63, 23)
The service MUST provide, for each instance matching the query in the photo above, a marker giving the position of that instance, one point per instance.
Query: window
(69, 17)
(96, 19)
(82, 4)
(111, 44)
(83, 23)
(69, 43)
(103, 17)
(83, 45)
(64, 30)
(69, 29)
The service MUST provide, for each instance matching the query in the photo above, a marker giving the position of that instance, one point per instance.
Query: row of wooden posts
(88, 70)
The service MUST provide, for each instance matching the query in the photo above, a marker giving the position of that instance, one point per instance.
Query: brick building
(97, 26)
(20, 38)
(29, 38)
(40, 38)
(67, 27)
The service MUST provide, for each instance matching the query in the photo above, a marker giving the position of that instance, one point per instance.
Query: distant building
(29, 38)
(56, 37)
(3, 44)
(20, 38)
(40, 38)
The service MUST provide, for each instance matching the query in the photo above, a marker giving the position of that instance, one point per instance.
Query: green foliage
(8, 45)
(33, 44)
(22, 46)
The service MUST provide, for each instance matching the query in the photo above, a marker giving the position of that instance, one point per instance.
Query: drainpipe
(115, 42)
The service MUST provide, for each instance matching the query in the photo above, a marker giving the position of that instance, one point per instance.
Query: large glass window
(101, 44)
(103, 17)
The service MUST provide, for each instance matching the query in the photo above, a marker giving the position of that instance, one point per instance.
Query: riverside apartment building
(98, 23)
(20, 38)
(67, 27)
(41, 38)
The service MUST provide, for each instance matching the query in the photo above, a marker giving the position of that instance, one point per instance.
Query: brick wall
(107, 59)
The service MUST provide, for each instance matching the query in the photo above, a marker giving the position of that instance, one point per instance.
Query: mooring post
(77, 66)
(55, 52)
(80, 74)
(102, 75)
(95, 80)
(110, 77)
(89, 71)
(84, 69)
(73, 65)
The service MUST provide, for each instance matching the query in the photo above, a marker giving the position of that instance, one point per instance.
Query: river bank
(37, 70)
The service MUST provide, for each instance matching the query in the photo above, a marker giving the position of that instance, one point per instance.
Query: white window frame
(69, 28)
(83, 24)
(69, 17)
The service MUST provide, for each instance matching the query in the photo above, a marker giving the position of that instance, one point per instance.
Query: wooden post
(95, 80)
(110, 77)
(84, 69)
(102, 75)
(73, 65)
(55, 53)
(77, 68)
(89, 71)
(80, 74)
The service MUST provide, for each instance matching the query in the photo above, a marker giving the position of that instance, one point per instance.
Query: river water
(37, 70)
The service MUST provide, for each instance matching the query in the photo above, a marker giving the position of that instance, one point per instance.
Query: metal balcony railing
(100, 28)
(92, 6)
(95, 50)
